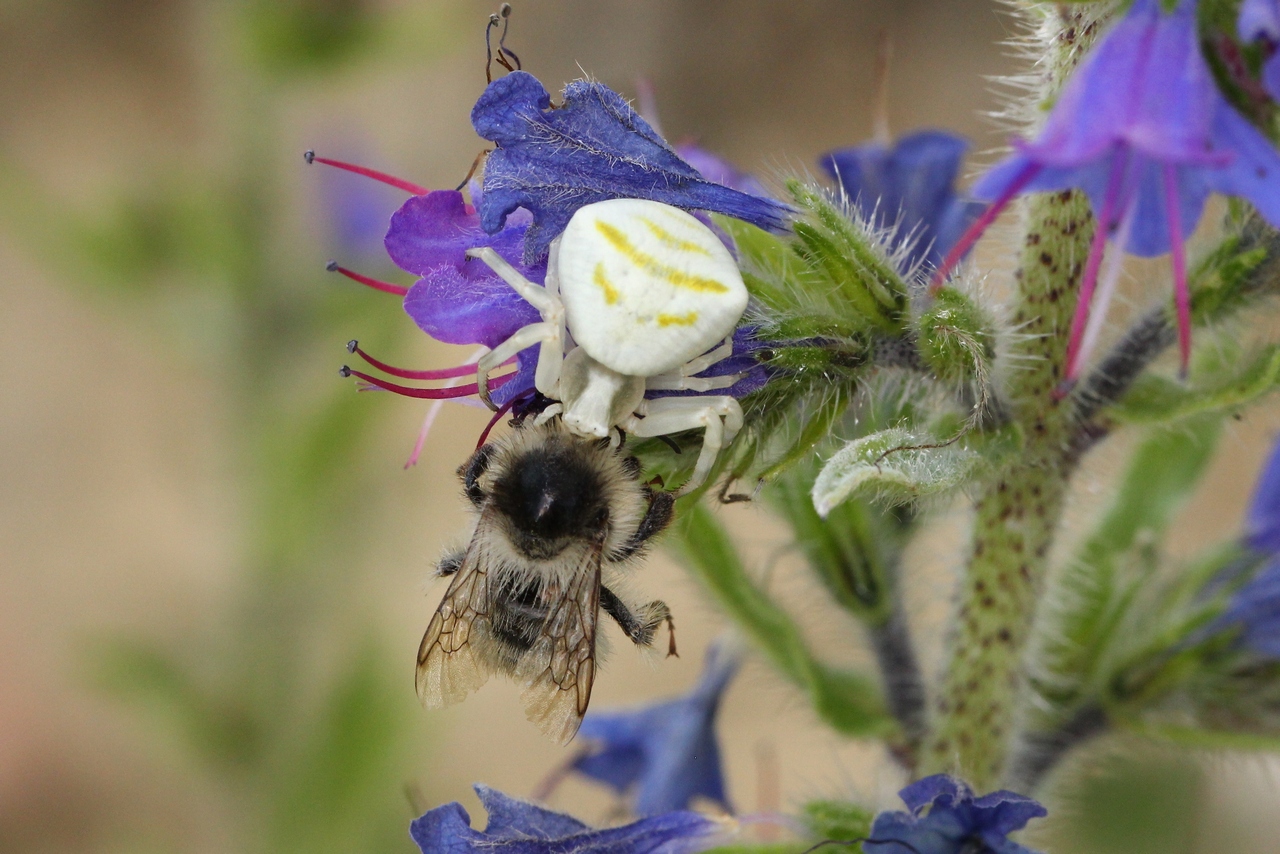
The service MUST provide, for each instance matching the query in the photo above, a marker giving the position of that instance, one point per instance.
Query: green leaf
(849, 702)
(852, 550)
(1105, 636)
(893, 466)
(838, 820)
(1221, 386)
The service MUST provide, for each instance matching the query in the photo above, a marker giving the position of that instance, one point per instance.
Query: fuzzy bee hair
(558, 516)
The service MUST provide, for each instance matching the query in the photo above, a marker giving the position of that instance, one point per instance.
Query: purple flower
(665, 754)
(553, 160)
(1255, 610)
(945, 818)
(1262, 521)
(1260, 21)
(1143, 130)
(909, 186)
(519, 827)
(716, 169)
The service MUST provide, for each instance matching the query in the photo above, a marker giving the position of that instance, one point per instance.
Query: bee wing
(449, 666)
(560, 667)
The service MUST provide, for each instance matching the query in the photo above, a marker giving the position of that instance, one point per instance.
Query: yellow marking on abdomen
(686, 319)
(674, 277)
(611, 294)
(669, 239)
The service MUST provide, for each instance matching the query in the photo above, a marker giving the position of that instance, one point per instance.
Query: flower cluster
(836, 280)
(1141, 128)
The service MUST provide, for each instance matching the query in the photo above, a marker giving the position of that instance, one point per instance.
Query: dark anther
(332, 266)
(475, 164)
(344, 371)
(505, 11)
(352, 345)
(309, 155)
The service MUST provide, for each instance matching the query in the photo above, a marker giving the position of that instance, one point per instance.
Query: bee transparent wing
(561, 666)
(450, 665)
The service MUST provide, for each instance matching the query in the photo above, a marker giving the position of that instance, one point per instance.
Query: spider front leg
(720, 417)
(683, 379)
(549, 334)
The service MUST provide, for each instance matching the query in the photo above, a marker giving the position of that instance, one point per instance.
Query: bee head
(551, 495)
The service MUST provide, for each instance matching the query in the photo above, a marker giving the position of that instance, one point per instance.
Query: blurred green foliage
(293, 707)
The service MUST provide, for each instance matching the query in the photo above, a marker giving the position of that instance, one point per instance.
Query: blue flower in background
(909, 186)
(1142, 129)
(1260, 21)
(1254, 609)
(945, 818)
(1262, 521)
(553, 160)
(666, 754)
(519, 827)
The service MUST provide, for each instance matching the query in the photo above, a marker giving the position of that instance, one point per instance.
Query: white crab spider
(645, 290)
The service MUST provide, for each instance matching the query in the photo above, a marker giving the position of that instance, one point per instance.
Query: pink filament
(376, 284)
(437, 374)
(497, 416)
(980, 225)
(1181, 292)
(433, 412)
(398, 183)
(423, 393)
(1096, 250)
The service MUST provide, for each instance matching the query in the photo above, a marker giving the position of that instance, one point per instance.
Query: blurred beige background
(119, 510)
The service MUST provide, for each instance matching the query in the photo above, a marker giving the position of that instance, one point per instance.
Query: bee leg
(471, 472)
(656, 518)
(642, 627)
(450, 563)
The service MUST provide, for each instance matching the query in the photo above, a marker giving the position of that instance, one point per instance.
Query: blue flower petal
(1262, 522)
(457, 309)
(668, 752)
(910, 186)
(1259, 19)
(945, 818)
(553, 161)
(511, 818)
(519, 827)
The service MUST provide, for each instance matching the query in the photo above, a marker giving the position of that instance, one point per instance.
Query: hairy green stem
(1019, 511)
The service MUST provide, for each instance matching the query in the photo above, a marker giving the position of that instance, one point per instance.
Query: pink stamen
(1181, 292)
(398, 183)
(980, 225)
(422, 393)
(376, 284)
(497, 416)
(1097, 249)
(433, 412)
(353, 346)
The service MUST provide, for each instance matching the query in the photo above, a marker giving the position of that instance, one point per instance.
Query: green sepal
(849, 702)
(956, 339)
(838, 820)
